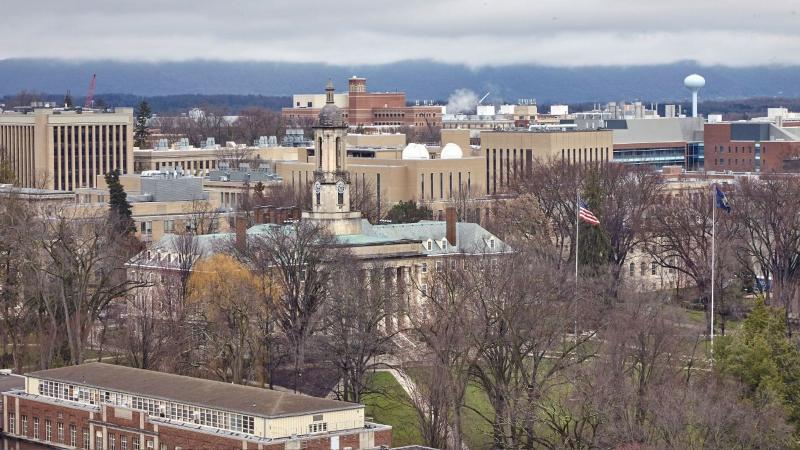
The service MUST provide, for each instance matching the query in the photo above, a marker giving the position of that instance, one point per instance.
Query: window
(123, 442)
(642, 268)
(653, 268)
(36, 428)
(149, 445)
(86, 439)
(491, 243)
(98, 441)
(24, 425)
(146, 228)
(60, 428)
(48, 430)
(429, 245)
(318, 427)
(112, 442)
(73, 436)
(631, 269)
(424, 268)
(12, 422)
(169, 226)
(424, 289)
(135, 440)
(444, 244)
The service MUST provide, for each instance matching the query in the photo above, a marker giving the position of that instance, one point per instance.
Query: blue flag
(722, 200)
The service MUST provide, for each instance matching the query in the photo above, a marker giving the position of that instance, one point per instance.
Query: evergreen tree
(140, 131)
(409, 212)
(120, 208)
(763, 358)
(594, 242)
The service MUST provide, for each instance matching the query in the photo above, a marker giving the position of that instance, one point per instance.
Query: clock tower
(331, 189)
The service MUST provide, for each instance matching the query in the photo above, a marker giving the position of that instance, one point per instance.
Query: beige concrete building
(458, 136)
(380, 140)
(161, 203)
(435, 181)
(200, 161)
(66, 150)
(407, 253)
(511, 154)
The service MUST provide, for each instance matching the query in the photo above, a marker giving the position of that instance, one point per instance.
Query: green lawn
(477, 431)
(390, 406)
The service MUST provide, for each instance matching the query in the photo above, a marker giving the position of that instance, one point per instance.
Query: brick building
(99, 406)
(364, 108)
(751, 147)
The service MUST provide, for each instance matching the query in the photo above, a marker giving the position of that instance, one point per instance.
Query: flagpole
(713, 258)
(577, 247)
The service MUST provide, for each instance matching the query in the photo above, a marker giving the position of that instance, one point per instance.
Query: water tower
(694, 82)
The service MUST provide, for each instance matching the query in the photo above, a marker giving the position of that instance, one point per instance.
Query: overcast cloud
(472, 32)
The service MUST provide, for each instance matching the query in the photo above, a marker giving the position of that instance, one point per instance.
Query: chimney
(241, 231)
(450, 218)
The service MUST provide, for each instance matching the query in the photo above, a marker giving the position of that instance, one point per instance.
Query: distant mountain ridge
(418, 78)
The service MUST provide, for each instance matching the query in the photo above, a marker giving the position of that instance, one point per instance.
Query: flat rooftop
(195, 391)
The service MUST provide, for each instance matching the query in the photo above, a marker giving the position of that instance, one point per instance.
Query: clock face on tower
(317, 187)
(340, 187)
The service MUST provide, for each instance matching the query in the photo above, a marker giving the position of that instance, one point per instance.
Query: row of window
(643, 269)
(459, 180)
(732, 161)
(17, 141)
(48, 430)
(511, 165)
(157, 408)
(95, 149)
(722, 148)
(201, 165)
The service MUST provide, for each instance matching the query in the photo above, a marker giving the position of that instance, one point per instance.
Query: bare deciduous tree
(681, 240)
(79, 265)
(768, 214)
(356, 334)
(298, 260)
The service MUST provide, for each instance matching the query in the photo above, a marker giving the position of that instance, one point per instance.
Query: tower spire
(329, 92)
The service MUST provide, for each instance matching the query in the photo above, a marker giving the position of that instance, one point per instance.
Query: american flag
(585, 215)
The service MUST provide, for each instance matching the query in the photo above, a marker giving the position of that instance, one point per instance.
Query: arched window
(632, 269)
(319, 152)
(339, 160)
(642, 268)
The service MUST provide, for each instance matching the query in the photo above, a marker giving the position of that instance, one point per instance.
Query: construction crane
(90, 94)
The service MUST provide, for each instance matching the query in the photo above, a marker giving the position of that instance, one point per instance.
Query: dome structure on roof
(416, 151)
(451, 151)
(331, 115)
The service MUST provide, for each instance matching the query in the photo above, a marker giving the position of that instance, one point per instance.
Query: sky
(472, 32)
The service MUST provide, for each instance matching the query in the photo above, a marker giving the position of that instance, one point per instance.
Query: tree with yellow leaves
(223, 306)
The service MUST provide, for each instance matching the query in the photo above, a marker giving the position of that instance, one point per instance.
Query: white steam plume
(462, 101)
